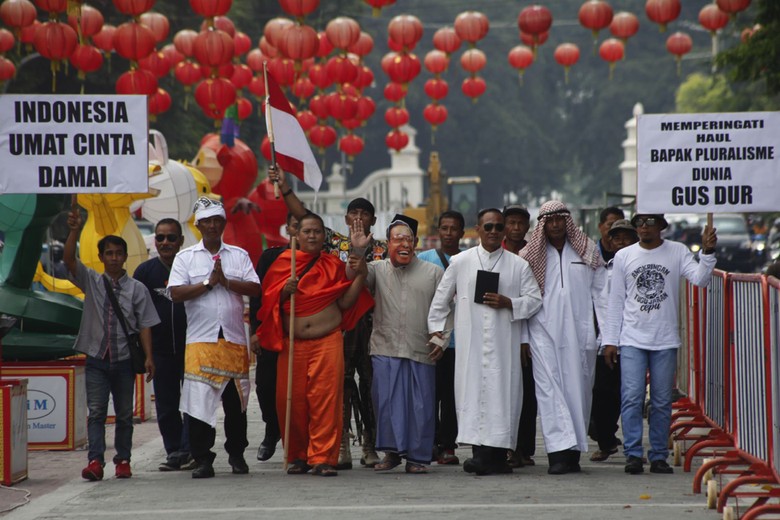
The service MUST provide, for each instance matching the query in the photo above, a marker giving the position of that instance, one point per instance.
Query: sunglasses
(172, 237)
(649, 221)
(489, 227)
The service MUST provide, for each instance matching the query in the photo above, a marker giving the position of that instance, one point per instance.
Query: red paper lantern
(133, 7)
(319, 76)
(267, 49)
(712, 18)
(342, 32)
(133, 41)
(624, 25)
(187, 73)
(174, 56)
(377, 5)
(319, 106)
(471, 26)
(257, 87)
(404, 68)
(18, 14)
(567, 54)
(273, 30)
(435, 114)
(244, 108)
(138, 82)
(396, 140)
(53, 7)
(364, 78)
(446, 40)
(86, 59)
(156, 63)
(436, 61)
(255, 59)
(307, 119)
(241, 43)
(473, 87)
(534, 41)
(322, 136)
(298, 42)
(366, 108)
(521, 57)
(184, 40)
(7, 69)
(341, 106)
(213, 48)
(325, 46)
(303, 88)
(595, 15)
(282, 70)
(473, 60)
(351, 145)
(611, 50)
(223, 23)
(363, 46)
(394, 92)
(214, 96)
(7, 41)
(27, 34)
(436, 88)
(534, 20)
(396, 116)
(299, 8)
(55, 41)
(662, 11)
(90, 21)
(158, 24)
(104, 40)
(679, 44)
(732, 7)
(341, 70)
(211, 8)
(159, 102)
(405, 30)
(241, 76)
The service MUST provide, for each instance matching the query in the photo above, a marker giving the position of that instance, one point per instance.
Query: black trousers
(357, 359)
(606, 404)
(265, 381)
(446, 419)
(526, 433)
(203, 436)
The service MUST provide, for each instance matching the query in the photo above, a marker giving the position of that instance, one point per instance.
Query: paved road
(602, 491)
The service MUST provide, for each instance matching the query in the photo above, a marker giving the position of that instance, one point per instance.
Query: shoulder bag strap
(443, 259)
(115, 305)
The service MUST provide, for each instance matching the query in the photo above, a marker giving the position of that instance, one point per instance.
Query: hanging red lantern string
(214, 96)
(326, 47)
(7, 69)
(159, 102)
(156, 63)
(436, 88)
(88, 22)
(241, 76)
(53, 7)
(298, 42)
(7, 41)
(27, 34)
(394, 92)
(396, 116)
(342, 32)
(405, 31)
(520, 57)
(595, 15)
(134, 8)
(322, 136)
(436, 62)
(713, 19)
(471, 26)
(255, 59)
(244, 108)
(55, 41)
(242, 43)
(435, 114)
(679, 44)
(173, 55)
(534, 21)
(283, 70)
(363, 46)
(267, 49)
(396, 139)
(213, 48)
(138, 82)
(187, 73)
(624, 25)
(732, 7)
(158, 24)
(567, 54)
(320, 77)
(611, 50)
(18, 14)
(184, 40)
(307, 119)
(133, 41)
(403, 68)
(85, 58)
(473, 87)
(273, 29)
(341, 70)
(446, 40)
(364, 78)
(351, 145)
(663, 12)
(366, 109)
(211, 8)
(299, 8)
(377, 5)
(303, 88)
(473, 60)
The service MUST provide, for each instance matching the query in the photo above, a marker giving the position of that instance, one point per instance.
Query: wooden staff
(269, 125)
(290, 358)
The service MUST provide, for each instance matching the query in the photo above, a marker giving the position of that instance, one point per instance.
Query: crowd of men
(451, 347)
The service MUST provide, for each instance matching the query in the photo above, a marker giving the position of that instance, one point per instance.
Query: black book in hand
(487, 282)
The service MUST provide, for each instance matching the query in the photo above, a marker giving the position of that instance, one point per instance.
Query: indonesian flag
(293, 152)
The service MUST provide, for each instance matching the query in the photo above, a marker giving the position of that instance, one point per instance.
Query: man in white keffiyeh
(562, 336)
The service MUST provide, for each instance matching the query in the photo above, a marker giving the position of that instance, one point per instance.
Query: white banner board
(73, 144)
(708, 163)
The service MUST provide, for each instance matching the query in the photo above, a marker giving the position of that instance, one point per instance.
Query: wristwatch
(207, 284)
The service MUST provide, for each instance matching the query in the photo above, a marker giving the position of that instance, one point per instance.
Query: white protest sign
(708, 163)
(73, 144)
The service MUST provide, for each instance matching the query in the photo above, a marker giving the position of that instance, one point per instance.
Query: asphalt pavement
(55, 489)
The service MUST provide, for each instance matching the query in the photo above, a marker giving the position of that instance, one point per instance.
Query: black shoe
(660, 466)
(574, 461)
(266, 450)
(473, 465)
(559, 462)
(634, 465)
(238, 464)
(203, 470)
(501, 468)
(172, 463)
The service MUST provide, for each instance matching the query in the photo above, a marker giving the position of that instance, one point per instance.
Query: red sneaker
(123, 469)
(93, 471)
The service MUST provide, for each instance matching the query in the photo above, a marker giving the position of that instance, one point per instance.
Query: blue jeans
(118, 379)
(634, 364)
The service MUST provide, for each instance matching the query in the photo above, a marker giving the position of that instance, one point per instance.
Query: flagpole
(290, 357)
(270, 127)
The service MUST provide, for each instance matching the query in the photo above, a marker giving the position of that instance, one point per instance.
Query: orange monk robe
(318, 366)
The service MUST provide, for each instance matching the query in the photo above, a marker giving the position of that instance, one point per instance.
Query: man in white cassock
(488, 372)
(562, 336)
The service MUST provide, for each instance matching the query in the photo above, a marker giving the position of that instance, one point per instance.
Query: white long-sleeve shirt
(644, 297)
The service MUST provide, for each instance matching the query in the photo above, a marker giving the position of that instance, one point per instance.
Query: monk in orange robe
(329, 299)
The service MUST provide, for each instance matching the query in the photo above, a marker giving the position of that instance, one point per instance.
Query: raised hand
(357, 236)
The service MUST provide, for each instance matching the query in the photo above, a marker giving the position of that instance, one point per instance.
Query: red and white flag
(293, 152)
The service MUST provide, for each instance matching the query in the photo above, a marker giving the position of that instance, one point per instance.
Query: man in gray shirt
(108, 368)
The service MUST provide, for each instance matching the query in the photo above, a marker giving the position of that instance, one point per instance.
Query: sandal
(298, 467)
(416, 469)
(390, 461)
(324, 470)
